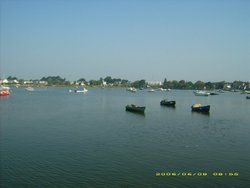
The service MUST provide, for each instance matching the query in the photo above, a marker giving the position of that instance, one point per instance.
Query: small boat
(220, 91)
(200, 108)
(134, 108)
(4, 93)
(245, 92)
(161, 89)
(235, 90)
(213, 93)
(247, 97)
(81, 90)
(151, 90)
(201, 93)
(131, 89)
(29, 89)
(165, 102)
(4, 88)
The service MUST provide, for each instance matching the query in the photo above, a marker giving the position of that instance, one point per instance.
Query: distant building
(80, 83)
(28, 82)
(104, 83)
(16, 81)
(227, 86)
(5, 81)
(154, 83)
(43, 82)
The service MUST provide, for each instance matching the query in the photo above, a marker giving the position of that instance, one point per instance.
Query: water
(53, 138)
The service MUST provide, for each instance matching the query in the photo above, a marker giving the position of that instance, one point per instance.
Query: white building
(28, 82)
(5, 81)
(104, 83)
(43, 82)
(154, 83)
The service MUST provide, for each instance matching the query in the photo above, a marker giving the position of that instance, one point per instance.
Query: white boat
(151, 90)
(201, 93)
(245, 92)
(5, 88)
(4, 91)
(131, 89)
(29, 89)
(81, 90)
(161, 89)
(220, 91)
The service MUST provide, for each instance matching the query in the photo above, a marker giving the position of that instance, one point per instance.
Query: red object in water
(4, 93)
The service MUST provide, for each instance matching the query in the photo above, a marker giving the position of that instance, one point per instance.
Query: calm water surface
(53, 138)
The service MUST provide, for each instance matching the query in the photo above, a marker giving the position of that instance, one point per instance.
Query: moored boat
(247, 97)
(161, 89)
(134, 108)
(245, 92)
(29, 89)
(151, 90)
(81, 90)
(4, 88)
(200, 108)
(220, 91)
(165, 102)
(4, 91)
(131, 89)
(214, 93)
(201, 93)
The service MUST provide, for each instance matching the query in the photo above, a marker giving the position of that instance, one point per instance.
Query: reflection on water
(142, 114)
(201, 113)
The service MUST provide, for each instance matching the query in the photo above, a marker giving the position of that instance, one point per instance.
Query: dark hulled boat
(200, 108)
(134, 108)
(165, 102)
(213, 93)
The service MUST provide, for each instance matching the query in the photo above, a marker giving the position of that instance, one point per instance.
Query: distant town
(108, 81)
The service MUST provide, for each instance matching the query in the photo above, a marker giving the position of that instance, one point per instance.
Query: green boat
(165, 102)
(134, 108)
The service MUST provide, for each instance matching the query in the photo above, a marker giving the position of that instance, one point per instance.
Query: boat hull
(81, 90)
(4, 93)
(201, 108)
(29, 89)
(167, 103)
(214, 94)
(201, 93)
(131, 89)
(137, 109)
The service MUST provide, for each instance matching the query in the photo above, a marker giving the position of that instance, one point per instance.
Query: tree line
(118, 82)
(182, 84)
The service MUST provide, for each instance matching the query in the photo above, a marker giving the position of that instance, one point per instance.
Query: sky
(189, 40)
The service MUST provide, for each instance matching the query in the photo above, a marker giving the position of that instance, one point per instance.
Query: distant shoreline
(109, 82)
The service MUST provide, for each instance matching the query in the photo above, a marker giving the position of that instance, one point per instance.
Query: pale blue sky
(131, 39)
